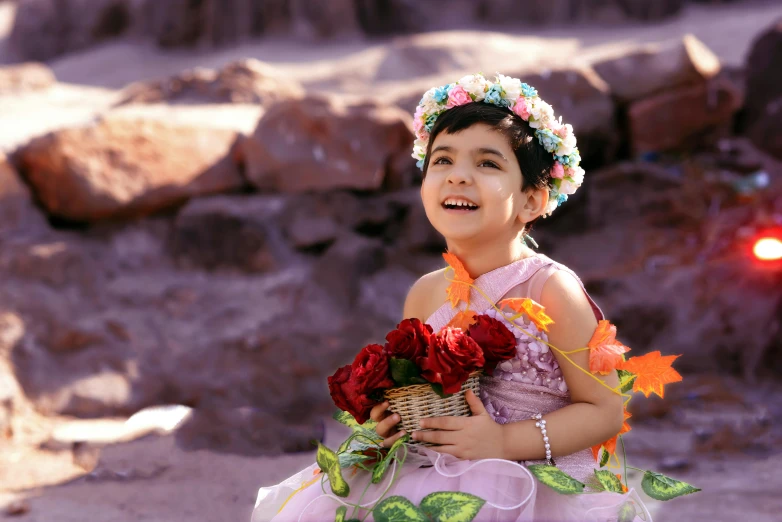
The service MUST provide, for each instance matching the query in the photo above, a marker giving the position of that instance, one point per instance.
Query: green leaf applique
(380, 469)
(342, 511)
(604, 457)
(661, 487)
(397, 509)
(351, 459)
(609, 480)
(367, 430)
(449, 506)
(328, 462)
(627, 512)
(556, 479)
(626, 380)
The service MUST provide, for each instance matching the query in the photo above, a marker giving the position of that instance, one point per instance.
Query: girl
(495, 160)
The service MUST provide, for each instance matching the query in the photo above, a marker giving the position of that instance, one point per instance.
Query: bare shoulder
(426, 295)
(567, 304)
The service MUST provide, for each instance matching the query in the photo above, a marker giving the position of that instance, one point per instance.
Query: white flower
(428, 97)
(511, 86)
(475, 84)
(541, 114)
(567, 187)
(576, 174)
(419, 148)
(568, 143)
(551, 207)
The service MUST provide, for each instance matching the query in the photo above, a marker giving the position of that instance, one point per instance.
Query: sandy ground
(151, 479)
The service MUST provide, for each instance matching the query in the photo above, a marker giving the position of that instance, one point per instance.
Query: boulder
(120, 169)
(25, 77)
(44, 29)
(246, 81)
(319, 144)
(240, 233)
(681, 118)
(652, 68)
(763, 108)
(18, 213)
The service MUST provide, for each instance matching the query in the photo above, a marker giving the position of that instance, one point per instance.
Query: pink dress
(529, 383)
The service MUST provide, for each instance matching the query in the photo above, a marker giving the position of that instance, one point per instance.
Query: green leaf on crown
(626, 380)
(405, 372)
(342, 511)
(604, 457)
(329, 463)
(450, 506)
(380, 469)
(367, 430)
(661, 487)
(556, 479)
(609, 481)
(627, 512)
(397, 509)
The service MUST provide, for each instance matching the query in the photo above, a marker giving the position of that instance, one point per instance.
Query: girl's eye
(487, 163)
(442, 161)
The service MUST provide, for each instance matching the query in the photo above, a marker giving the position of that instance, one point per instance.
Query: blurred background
(208, 206)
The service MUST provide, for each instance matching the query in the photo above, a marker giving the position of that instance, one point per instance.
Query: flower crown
(521, 99)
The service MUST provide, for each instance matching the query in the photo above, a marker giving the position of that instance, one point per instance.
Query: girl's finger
(379, 412)
(387, 443)
(386, 427)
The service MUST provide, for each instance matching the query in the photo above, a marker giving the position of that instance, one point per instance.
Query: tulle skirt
(509, 489)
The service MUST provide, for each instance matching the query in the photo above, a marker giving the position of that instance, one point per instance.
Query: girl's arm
(596, 414)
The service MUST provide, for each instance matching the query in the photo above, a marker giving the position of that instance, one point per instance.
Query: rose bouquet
(416, 362)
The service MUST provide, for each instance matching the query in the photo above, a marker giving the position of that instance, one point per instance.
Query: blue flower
(429, 123)
(570, 161)
(528, 90)
(441, 93)
(420, 163)
(494, 95)
(561, 198)
(548, 139)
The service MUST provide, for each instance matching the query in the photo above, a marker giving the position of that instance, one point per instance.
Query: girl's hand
(467, 438)
(386, 424)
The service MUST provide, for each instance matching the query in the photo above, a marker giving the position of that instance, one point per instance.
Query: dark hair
(535, 162)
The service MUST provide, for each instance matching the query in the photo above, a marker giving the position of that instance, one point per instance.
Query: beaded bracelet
(540, 422)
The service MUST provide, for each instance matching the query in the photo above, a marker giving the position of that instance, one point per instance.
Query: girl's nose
(458, 176)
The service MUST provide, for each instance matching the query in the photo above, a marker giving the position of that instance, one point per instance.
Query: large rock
(318, 144)
(652, 68)
(240, 233)
(25, 77)
(18, 213)
(44, 29)
(764, 90)
(245, 81)
(682, 117)
(119, 169)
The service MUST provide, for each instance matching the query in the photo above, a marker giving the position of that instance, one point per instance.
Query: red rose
(451, 357)
(337, 385)
(409, 341)
(498, 343)
(370, 369)
(351, 386)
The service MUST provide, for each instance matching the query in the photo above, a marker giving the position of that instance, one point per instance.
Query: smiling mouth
(459, 204)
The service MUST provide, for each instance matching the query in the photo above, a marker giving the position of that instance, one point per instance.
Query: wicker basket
(419, 401)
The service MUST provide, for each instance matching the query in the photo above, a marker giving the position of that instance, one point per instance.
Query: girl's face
(472, 189)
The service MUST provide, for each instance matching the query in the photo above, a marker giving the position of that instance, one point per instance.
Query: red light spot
(768, 249)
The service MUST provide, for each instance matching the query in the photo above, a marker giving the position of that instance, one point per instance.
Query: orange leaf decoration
(619, 476)
(525, 305)
(605, 354)
(462, 320)
(652, 372)
(459, 289)
(610, 444)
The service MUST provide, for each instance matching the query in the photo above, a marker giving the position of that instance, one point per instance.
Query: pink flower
(558, 171)
(418, 119)
(457, 96)
(521, 108)
(561, 131)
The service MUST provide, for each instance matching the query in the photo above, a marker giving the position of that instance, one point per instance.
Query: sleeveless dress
(529, 383)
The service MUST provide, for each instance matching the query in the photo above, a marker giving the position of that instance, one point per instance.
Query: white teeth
(459, 203)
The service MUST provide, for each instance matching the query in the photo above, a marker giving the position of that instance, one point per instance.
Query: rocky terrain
(223, 236)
